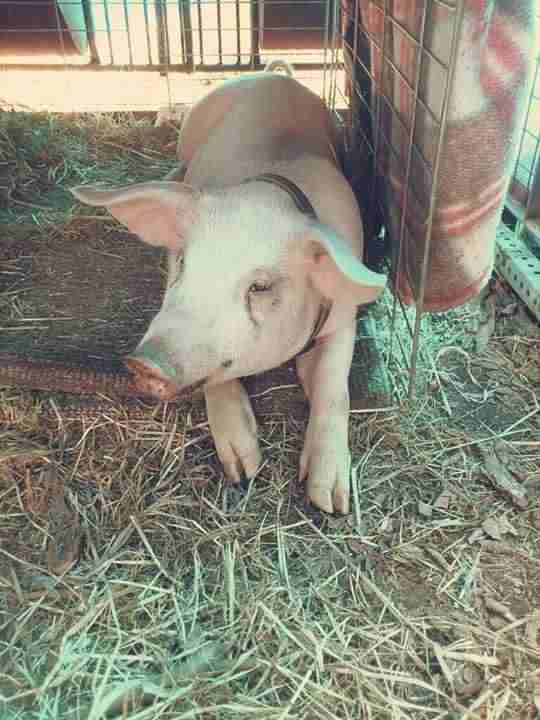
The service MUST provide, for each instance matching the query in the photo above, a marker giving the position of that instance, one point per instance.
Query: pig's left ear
(158, 212)
(337, 272)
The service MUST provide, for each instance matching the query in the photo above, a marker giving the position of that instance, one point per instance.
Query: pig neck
(277, 153)
(308, 163)
(297, 195)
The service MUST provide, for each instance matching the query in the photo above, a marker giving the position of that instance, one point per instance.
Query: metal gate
(165, 35)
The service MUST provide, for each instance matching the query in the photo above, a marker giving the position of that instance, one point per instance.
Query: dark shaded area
(34, 27)
(294, 25)
(83, 300)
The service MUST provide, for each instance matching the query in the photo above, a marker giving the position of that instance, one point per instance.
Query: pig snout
(154, 375)
(153, 371)
(150, 379)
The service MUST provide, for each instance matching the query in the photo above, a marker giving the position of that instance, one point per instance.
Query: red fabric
(487, 102)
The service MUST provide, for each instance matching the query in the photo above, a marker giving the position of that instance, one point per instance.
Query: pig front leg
(234, 429)
(325, 460)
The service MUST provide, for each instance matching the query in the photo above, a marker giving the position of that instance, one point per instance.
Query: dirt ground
(134, 583)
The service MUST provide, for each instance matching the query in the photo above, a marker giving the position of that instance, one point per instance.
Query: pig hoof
(321, 499)
(241, 469)
(329, 501)
(232, 471)
(326, 471)
(234, 430)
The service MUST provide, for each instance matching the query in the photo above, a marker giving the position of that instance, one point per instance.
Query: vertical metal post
(458, 24)
(378, 87)
(373, 193)
(325, 43)
(186, 31)
(336, 17)
(531, 221)
(238, 45)
(533, 201)
(90, 31)
(126, 22)
(255, 34)
(200, 23)
(147, 31)
(527, 114)
(163, 33)
(352, 80)
(219, 29)
(403, 220)
(108, 25)
(60, 31)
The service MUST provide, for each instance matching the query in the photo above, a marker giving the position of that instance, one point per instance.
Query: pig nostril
(138, 367)
(150, 380)
(226, 364)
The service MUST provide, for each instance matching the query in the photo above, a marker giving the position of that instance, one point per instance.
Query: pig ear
(158, 212)
(337, 272)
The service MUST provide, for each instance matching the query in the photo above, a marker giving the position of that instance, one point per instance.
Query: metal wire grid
(526, 176)
(357, 71)
(178, 35)
(162, 52)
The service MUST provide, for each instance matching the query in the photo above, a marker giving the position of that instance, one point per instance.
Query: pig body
(265, 246)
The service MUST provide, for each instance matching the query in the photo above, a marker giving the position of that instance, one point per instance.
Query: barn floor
(132, 578)
(117, 91)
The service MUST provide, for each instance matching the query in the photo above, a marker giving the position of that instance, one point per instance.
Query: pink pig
(265, 260)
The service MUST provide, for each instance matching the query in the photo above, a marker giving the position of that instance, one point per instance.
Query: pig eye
(259, 287)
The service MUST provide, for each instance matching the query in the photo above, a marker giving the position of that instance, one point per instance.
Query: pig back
(249, 126)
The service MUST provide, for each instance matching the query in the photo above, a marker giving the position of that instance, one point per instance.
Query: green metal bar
(108, 24)
(201, 40)
(186, 31)
(147, 31)
(126, 21)
(219, 31)
(238, 44)
(90, 31)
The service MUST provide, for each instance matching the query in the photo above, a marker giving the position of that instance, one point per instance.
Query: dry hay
(181, 598)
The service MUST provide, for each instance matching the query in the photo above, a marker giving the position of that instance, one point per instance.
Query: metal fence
(524, 194)
(348, 58)
(518, 249)
(382, 51)
(372, 74)
(165, 35)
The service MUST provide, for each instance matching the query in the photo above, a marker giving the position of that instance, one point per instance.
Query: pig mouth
(150, 381)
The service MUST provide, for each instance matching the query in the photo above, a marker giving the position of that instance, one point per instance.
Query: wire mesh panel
(528, 157)
(185, 44)
(518, 247)
(180, 35)
(119, 34)
(437, 94)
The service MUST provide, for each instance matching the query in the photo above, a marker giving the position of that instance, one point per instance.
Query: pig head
(264, 243)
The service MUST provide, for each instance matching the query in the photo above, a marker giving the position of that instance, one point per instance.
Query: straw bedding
(134, 584)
